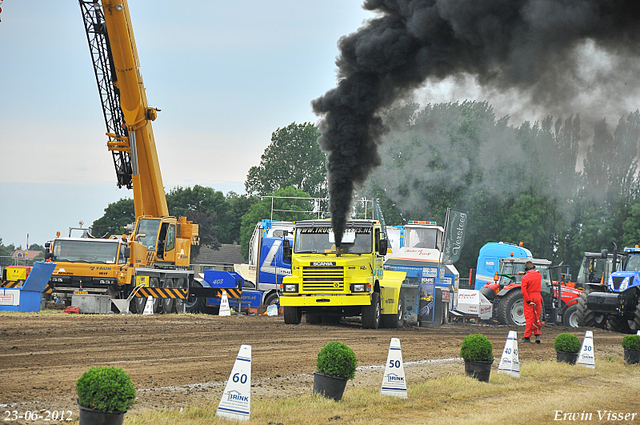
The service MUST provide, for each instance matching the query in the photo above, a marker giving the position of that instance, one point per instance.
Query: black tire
(180, 302)
(371, 313)
(141, 302)
(617, 323)
(313, 319)
(585, 316)
(272, 298)
(636, 319)
(292, 315)
(570, 316)
(194, 304)
(511, 309)
(395, 320)
(168, 304)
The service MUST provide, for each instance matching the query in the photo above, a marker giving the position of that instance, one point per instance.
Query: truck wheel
(179, 302)
(570, 317)
(272, 298)
(168, 304)
(371, 313)
(511, 309)
(618, 324)
(395, 320)
(292, 315)
(194, 304)
(313, 319)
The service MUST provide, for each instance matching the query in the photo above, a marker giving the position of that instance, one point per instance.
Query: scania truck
(329, 281)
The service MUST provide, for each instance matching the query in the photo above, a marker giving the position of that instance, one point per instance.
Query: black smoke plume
(527, 45)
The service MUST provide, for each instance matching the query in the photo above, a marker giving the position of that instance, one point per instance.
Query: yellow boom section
(148, 190)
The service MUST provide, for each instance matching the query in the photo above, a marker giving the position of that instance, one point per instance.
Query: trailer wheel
(618, 324)
(371, 313)
(168, 304)
(511, 309)
(292, 315)
(395, 320)
(570, 317)
(194, 304)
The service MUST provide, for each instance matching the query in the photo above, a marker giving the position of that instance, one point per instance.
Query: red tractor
(560, 301)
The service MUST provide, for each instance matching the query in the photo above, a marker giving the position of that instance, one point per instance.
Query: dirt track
(176, 360)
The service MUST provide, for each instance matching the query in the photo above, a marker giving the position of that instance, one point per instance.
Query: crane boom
(127, 114)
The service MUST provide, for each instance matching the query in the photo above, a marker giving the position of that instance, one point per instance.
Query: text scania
(600, 415)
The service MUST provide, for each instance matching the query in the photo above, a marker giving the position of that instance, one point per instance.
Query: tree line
(559, 186)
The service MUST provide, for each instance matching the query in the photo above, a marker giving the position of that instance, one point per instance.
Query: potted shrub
(477, 352)
(567, 348)
(631, 345)
(336, 364)
(104, 395)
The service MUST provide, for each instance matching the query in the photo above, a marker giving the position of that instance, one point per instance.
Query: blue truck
(266, 265)
(489, 260)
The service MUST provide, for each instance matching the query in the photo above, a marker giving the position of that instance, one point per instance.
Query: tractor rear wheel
(511, 309)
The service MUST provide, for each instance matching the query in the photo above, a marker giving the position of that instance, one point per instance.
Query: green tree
(116, 216)
(283, 209)
(293, 158)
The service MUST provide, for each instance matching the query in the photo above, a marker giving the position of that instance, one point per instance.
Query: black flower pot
(98, 417)
(631, 356)
(329, 386)
(479, 370)
(570, 358)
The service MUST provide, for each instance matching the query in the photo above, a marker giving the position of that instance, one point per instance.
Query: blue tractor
(619, 299)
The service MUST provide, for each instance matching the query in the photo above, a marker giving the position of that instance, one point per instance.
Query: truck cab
(267, 265)
(97, 266)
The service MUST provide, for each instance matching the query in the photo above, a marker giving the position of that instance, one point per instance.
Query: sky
(225, 75)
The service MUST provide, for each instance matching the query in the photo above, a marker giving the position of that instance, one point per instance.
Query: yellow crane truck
(329, 282)
(156, 255)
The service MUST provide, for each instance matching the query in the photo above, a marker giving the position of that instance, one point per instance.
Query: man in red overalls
(531, 282)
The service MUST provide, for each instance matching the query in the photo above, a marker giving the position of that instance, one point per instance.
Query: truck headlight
(624, 285)
(358, 287)
(290, 287)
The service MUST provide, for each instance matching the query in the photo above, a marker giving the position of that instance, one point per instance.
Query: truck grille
(617, 280)
(323, 279)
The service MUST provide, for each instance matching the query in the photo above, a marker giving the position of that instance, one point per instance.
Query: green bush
(475, 348)
(567, 343)
(631, 342)
(108, 389)
(337, 359)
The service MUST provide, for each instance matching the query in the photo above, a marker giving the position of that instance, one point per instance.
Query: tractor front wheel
(570, 317)
(511, 309)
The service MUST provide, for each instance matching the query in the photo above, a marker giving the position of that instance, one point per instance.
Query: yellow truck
(329, 282)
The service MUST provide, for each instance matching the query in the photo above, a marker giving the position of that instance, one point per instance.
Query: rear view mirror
(286, 251)
(383, 247)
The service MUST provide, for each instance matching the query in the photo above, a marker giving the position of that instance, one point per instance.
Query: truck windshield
(86, 251)
(147, 232)
(320, 240)
(420, 238)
